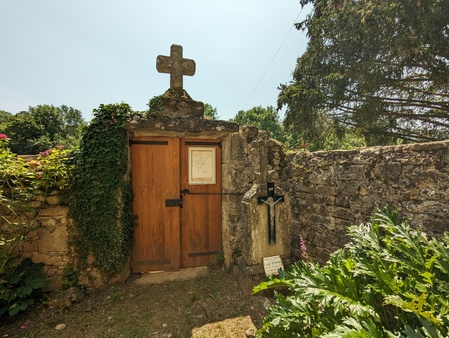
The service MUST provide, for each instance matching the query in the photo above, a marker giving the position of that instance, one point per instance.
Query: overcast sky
(83, 53)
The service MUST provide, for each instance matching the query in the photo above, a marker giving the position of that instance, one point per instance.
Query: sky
(85, 53)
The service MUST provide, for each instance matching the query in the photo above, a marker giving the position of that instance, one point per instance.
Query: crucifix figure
(271, 200)
(176, 66)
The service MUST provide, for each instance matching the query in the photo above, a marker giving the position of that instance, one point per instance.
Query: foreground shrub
(20, 286)
(21, 182)
(388, 281)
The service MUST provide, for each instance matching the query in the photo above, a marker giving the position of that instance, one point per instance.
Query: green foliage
(388, 281)
(20, 286)
(70, 276)
(43, 127)
(379, 67)
(220, 257)
(101, 194)
(52, 169)
(210, 112)
(4, 118)
(155, 104)
(263, 118)
(20, 183)
(331, 137)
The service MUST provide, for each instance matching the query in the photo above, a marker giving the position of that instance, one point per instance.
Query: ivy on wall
(101, 192)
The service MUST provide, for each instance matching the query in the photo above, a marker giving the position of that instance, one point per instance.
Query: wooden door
(177, 186)
(201, 211)
(155, 171)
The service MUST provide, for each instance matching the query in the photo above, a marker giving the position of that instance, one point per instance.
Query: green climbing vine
(155, 103)
(100, 202)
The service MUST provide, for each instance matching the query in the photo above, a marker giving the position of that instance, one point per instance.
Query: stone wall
(48, 243)
(328, 191)
(244, 154)
(331, 190)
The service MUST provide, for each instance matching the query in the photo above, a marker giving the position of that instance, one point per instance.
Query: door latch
(177, 202)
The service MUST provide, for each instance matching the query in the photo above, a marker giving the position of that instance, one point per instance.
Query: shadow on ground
(210, 305)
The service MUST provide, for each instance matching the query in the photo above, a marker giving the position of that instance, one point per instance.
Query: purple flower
(302, 246)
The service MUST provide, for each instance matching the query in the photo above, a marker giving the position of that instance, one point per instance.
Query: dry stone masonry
(49, 242)
(331, 190)
(327, 191)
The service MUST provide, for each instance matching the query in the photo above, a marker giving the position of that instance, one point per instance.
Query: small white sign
(272, 265)
(202, 165)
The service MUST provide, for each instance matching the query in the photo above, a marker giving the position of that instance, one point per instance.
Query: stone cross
(271, 200)
(176, 66)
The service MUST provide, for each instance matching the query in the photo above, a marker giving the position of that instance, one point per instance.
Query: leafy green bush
(19, 287)
(388, 281)
(20, 183)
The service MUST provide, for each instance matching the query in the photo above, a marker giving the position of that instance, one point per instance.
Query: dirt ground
(212, 305)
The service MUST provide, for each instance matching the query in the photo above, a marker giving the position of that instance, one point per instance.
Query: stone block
(47, 259)
(350, 172)
(319, 220)
(342, 201)
(388, 170)
(343, 213)
(30, 246)
(55, 211)
(52, 200)
(55, 241)
(48, 222)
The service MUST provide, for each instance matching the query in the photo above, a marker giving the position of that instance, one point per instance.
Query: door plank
(201, 214)
(155, 165)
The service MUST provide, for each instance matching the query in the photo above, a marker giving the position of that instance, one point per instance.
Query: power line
(274, 57)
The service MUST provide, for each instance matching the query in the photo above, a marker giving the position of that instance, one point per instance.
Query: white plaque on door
(202, 165)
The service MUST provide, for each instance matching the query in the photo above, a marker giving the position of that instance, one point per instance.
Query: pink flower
(59, 147)
(45, 153)
(3, 137)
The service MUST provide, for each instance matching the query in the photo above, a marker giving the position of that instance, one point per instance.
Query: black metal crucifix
(271, 200)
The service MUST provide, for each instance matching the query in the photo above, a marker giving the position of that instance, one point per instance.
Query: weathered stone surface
(328, 191)
(55, 211)
(412, 178)
(52, 200)
(176, 66)
(55, 241)
(255, 224)
(60, 327)
(241, 160)
(184, 124)
(179, 107)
